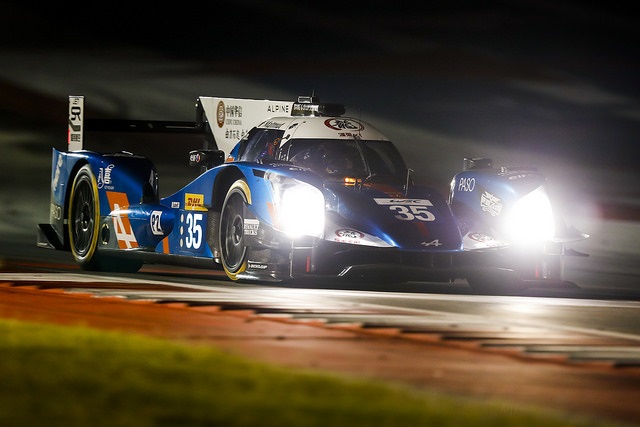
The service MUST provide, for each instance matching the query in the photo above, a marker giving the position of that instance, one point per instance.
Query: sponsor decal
(398, 201)
(435, 243)
(485, 240)
(220, 114)
(278, 108)
(408, 209)
(490, 203)
(104, 177)
(270, 124)
(175, 205)
(55, 212)
(233, 115)
(257, 266)
(195, 158)
(346, 235)
(349, 135)
(479, 237)
(155, 218)
(343, 125)
(235, 134)
(124, 231)
(56, 174)
(466, 184)
(194, 202)
(229, 117)
(482, 238)
(251, 227)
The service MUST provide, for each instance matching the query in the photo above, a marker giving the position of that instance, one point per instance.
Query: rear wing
(222, 121)
(78, 125)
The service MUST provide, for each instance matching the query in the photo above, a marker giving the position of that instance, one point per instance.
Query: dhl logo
(194, 202)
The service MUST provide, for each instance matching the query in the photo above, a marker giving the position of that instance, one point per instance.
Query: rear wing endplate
(230, 119)
(76, 123)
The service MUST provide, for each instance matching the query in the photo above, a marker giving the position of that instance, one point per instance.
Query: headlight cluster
(531, 219)
(299, 206)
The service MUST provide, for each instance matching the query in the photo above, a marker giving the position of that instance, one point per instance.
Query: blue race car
(294, 190)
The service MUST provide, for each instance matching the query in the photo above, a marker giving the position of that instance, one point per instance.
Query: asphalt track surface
(553, 84)
(558, 349)
(321, 331)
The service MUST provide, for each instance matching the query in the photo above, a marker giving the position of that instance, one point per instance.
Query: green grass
(74, 376)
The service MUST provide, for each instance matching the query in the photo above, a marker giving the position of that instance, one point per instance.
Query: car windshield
(335, 158)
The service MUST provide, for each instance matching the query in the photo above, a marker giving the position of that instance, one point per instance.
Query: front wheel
(233, 251)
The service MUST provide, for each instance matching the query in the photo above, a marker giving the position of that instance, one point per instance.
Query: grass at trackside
(59, 376)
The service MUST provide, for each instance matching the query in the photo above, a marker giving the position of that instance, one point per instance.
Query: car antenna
(406, 187)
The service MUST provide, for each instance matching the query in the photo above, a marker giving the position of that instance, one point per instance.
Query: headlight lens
(299, 206)
(531, 219)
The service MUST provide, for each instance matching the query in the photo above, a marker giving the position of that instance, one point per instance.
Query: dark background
(552, 84)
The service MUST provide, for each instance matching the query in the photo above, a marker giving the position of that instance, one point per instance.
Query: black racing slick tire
(233, 250)
(84, 223)
(84, 218)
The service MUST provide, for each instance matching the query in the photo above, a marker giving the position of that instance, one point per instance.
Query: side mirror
(206, 158)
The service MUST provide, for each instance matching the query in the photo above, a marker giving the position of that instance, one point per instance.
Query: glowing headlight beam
(299, 206)
(531, 219)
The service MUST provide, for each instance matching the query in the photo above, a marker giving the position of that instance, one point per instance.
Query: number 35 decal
(191, 231)
(409, 209)
(409, 213)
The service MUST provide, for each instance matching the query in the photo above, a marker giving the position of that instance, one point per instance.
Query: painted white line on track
(327, 298)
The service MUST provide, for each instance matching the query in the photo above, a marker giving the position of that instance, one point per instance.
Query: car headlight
(299, 206)
(531, 219)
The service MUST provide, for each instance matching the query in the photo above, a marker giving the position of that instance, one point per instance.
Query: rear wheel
(84, 222)
(84, 218)
(233, 251)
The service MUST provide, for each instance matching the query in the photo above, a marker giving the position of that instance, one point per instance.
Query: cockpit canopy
(330, 158)
(336, 158)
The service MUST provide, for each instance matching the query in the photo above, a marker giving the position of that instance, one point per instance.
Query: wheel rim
(83, 217)
(233, 247)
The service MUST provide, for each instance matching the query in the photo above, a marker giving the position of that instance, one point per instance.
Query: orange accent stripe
(123, 229)
(272, 212)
